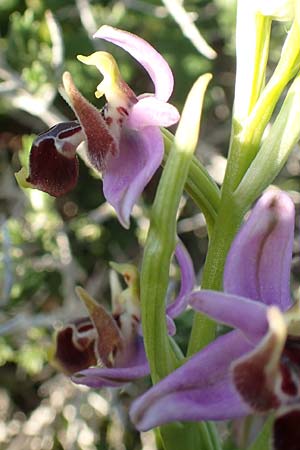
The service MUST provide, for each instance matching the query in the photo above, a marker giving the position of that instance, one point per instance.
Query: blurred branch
(188, 28)
(69, 270)
(86, 17)
(57, 42)
(7, 265)
(14, 89)
(37, 106)
(26, 320)
(146, 8)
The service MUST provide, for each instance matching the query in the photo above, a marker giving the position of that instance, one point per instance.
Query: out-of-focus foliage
(48, 246)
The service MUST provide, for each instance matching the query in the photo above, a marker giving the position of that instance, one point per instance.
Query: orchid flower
(123, 141)
(254, 368)
(107, 349)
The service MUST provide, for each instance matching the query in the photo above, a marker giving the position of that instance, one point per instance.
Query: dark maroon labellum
(54, 170)
(287, 431)
(290, 367)
(75, 347)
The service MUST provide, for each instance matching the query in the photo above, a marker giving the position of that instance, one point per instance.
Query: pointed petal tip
(124, 218)
(128, 271)
(67, 79)
(21, 177)
(89, 302)
(252, 267)
(100, 141)
(154, 63)
(187, 281)
(187, 133)
(103, 30)
(84, 59)
(278, 201)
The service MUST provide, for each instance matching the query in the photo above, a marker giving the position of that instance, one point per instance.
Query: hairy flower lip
(100, 142)
(53, 165)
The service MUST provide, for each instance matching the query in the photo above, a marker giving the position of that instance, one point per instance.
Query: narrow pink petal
(146, 55)
(201, 389)
(185, 262)
(247, 315)
(127, 175)
(170, 326)
(259, 261)
(152, 112)
(113, 377)
(136, 366)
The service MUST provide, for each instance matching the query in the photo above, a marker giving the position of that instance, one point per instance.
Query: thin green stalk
(228, 222)
(263, 33)
(285, 133)
(184, 436)
(252, 48)
(262, 442)
(199, 185)
(161, 238)
(160, 244)
(254, 126)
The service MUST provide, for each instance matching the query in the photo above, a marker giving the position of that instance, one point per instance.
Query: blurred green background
(48, 245)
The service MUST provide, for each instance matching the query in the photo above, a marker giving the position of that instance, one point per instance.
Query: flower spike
(254, 368)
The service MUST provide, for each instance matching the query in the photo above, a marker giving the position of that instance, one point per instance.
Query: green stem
(285, 133)
(262, 442)
(252, 48)
(263, 33)
(199, 185)
(254, 126)
(228, 222)
(160, 244)
(161, 238)
(186, 436)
